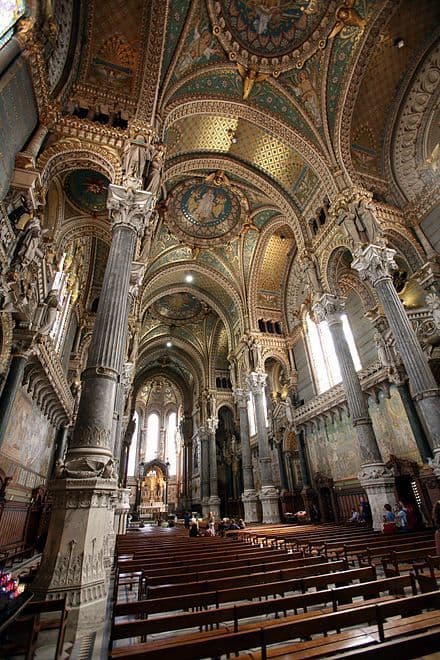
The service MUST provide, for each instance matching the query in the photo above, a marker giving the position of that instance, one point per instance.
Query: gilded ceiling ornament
(271, 36)
(346, 16)
(218, 178)
(250, 77)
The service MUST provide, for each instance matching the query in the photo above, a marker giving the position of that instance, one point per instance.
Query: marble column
(376, 264)
(14, 379)
(79, 550)
(377, 480)
(60, 446)
(249, 495)
(204, 470)
(214, 500)
(268, 494)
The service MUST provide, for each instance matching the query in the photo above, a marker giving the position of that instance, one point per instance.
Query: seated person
(355, 516)
(193, 531)
(241, 523)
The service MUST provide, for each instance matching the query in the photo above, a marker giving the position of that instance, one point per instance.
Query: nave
(306, 591)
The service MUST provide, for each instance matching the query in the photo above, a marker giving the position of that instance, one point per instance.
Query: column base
(206, 508)
(121, 510)
(214, 506)
(79, 550)
(250, 503)
(378, 482)
(269, 499)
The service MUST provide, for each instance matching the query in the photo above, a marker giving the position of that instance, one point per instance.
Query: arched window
(131, 468)
(152, 437)
(171, 452)
(323, 354)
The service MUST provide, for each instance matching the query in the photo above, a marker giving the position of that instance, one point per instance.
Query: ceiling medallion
(271, 36)
(87, 190)
(178, 309)
(206, 213)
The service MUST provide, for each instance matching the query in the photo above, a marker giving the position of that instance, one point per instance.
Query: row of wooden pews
(210, 597)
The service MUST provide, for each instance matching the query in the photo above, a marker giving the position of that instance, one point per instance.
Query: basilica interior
(219, 269)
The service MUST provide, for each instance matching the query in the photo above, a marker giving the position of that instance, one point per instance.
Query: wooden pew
(256, 578)
(234, 613)
(226, 643)
(397, 558)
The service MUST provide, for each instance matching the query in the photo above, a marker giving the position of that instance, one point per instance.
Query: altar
(153, 493)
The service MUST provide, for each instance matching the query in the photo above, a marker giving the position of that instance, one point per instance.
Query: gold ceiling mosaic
(239, 138)
(272, 269)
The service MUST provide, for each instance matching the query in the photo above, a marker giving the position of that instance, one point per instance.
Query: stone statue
(155, 175)
(59, 469)
(359, 221)
(254, 354)
(433, 302)
(312, 271)
(289, 410)
(383, 351)
(51, 308)
(107, 470)
(29, 245)
(134, 159)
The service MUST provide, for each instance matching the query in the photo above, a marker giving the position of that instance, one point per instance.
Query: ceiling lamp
(232, 136)
(189, 278)
(168, 344)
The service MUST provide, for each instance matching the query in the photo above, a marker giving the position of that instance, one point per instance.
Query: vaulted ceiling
(268, 108)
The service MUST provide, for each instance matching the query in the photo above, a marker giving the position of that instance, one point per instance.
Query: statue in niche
(51, 308)
(433, 302)
(359, 221)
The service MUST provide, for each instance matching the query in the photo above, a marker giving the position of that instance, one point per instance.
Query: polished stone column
(377, 480)
(214, 500)
(249, 495)
(60, 446)
(376, 264)
(79, 549)
(14, 379)
(307, 490)
(268, 494)
(204, 469)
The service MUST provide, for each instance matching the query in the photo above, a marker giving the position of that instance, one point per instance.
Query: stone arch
(80, 226)
(260, 180)
(71, 154)
(406, 247)
(228, 108)
(151, 292)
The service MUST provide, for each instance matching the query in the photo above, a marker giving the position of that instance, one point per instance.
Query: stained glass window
(10, 12)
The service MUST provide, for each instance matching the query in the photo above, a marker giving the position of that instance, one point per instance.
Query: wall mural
(27, 446)
(204, 214)
(333, 448)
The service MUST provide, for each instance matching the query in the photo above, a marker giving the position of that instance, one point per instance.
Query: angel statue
(250, 77)
(51, 308)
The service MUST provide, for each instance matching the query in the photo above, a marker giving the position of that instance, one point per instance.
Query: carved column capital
(129, 208)
(329, 308)
(375, 263)
(241, 398)
(212, 424)
(256, 381)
